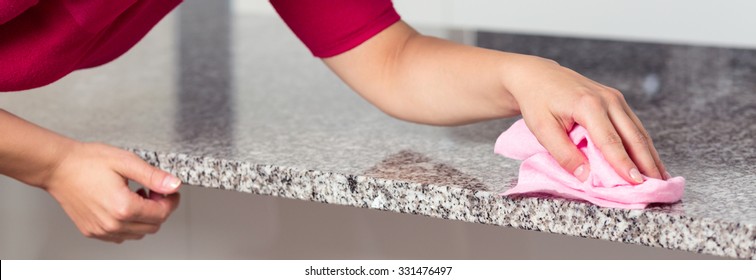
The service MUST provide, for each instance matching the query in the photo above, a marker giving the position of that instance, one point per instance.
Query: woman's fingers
(140, 228)
(119, 238)
(662, 169)
(635, 141)
(153, 209)
(136, 169)
(592, 114)
(139, 214)
(554, 138)
(657, 159)
(133, 231)
(117, 231)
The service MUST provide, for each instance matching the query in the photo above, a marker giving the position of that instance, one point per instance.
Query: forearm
(29, 153)
(428, 80)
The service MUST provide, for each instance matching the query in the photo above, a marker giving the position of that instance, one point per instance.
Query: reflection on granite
(415, 167)
(205, 84)
(290, 128)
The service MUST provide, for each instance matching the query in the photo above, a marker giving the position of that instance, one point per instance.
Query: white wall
(704, 22)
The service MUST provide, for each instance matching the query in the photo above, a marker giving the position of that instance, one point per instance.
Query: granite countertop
(237, 103)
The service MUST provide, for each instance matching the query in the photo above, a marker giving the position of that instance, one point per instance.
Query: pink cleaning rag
(540, 173)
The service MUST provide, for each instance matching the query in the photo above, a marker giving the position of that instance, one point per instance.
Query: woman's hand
(88, 180)
(90, 183)
(553, 98)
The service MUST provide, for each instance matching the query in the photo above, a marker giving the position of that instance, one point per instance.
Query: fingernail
(667, 176)
(171, 182)
(581, 173)
(635, 174)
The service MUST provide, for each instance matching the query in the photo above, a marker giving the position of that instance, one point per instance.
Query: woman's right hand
(553, 99)
(90, 183)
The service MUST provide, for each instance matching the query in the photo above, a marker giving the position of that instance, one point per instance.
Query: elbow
(400, 106)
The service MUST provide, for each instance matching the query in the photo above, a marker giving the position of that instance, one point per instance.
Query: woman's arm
(433, 81)
(88, 180)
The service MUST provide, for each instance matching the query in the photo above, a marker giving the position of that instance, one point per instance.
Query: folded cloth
(42, 41)
(540, 173)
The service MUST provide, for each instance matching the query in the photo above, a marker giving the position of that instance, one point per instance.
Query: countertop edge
(659, 229)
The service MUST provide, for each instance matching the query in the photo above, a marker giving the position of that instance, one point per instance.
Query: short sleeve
(10, 9)
(49, 40)
(331, 27)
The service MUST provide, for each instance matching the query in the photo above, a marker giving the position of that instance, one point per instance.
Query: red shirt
(42, 41)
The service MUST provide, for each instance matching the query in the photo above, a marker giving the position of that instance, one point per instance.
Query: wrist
(30, 153)
(512, 74)
(521, 73)
(58, 153)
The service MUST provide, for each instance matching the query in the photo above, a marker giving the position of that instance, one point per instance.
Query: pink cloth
(540, 173)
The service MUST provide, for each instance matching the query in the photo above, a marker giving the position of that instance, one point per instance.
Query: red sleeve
(10, 9)
(331, 27)
(44, 42)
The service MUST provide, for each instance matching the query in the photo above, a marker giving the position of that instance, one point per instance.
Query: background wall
(719, 23)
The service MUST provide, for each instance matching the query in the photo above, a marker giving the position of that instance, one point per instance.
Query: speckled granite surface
(240, 105)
